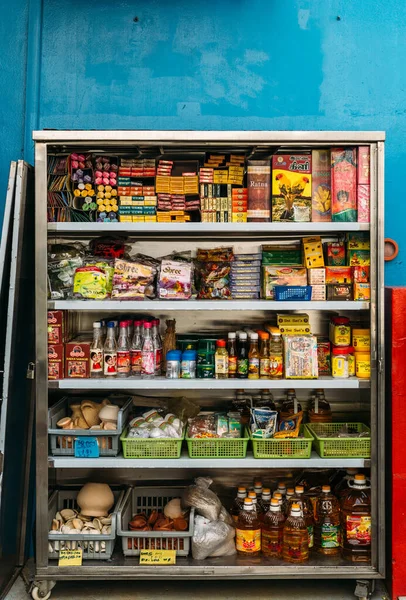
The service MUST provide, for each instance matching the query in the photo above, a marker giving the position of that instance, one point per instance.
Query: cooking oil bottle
(264, 502)
(327, 530)
(238, 502)
(272, 531)
(278, 496)
(290, 405)
(248, 530)
(295, 547)
(356, 520)
(342, 487)
(307, 511)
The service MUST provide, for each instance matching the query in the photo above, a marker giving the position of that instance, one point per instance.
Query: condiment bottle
(272, 530)
(242, 360)
(276, 356)
(110, 352)
(221, 360)
(238, 502)
(253, 357)
(232, 355)
(96, 351)
(123, 351)
(248, 530)
(136, 350)
(147, 353)
(264, 361)
(327, 530)
(295, 547)
(356, 521)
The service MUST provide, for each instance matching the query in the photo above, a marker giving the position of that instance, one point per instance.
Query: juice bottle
(242, 359)
(356, 521)
(272, 530)
(238, 502)
(221, 360)
(123, 351)
(264, 368)
(110, 352)
(307, 511)
(248, 530)
(96, 351)
(295, 547)
(276, 356)
(342, 487)
(253, 357)
(232, 356)
(264, 502)
(327, 529)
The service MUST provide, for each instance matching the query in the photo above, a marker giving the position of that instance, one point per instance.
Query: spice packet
(289, 427)
(263, 423)
(90, 282)
(132, 280)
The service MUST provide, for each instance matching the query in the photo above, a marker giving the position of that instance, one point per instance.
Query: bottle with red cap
(221, 360)
(136, 350)
(123, 351)
(147, 353)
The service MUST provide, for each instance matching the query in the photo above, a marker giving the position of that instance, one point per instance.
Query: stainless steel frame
(121, 568)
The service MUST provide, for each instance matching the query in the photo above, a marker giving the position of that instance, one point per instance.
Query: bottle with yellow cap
(272, 530)
(238, 502)
(295, 548)
(307, 511)
(264, 501)
(248, 530)
(327, 529)
(356, 520)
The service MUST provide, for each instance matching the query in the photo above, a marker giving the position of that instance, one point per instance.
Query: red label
(358, 530)
(123, 361)
(135, 356)
(158, 359)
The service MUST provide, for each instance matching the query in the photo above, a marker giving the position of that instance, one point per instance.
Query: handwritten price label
(70, 558)
(86, 447)
(158, 557)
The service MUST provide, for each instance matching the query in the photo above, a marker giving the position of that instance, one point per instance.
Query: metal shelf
(228, 305)
(186, 228)
(185, 462)
(161, 383)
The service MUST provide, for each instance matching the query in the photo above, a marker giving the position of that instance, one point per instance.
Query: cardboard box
(295, 329)
(321, 185)
(281, 275)
(291, 187)
(359, 258)
(363, 165)
(318, 293)
(360, 274)
(259, 190)
(362, 292)
(358, 241)
(363, 202)
(335, 254)
(324, 356)
(291, 320)
(56, 366)
(77, 360)
(316, 276)
(344, 184)
(339, 291)
(313, 252)
(300, 357)
(338, 275)
(56, 326)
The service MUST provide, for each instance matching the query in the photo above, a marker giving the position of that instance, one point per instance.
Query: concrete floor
(200, 590)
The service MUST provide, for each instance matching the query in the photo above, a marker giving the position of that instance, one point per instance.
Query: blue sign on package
(86, 447)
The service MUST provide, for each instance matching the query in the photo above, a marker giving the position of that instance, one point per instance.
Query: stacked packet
(246, 276)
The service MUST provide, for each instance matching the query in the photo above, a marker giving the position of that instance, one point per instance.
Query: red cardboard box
(77, 360)
(56, 366)
(56, 327)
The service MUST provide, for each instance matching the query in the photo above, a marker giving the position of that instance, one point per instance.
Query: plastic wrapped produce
(212, 538)
(63, 260)
(202, 499)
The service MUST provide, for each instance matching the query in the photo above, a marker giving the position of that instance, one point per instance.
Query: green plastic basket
(218, 447)
(151, 448)
(284, 448)
(330, 447)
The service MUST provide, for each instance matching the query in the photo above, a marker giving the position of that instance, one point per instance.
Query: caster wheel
(37, 595)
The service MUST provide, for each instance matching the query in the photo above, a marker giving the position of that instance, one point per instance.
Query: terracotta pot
(109, 413)
(95, 499)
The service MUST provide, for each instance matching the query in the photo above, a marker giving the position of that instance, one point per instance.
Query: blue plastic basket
(293, 292)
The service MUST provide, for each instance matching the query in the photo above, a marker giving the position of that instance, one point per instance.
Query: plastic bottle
(96, 351)
(295, 547)
(123, 352)
(264, 502)
(253, 357)
(276, 356)
(173, 361)
(327, 529)
(248, 530)
(272, 530)
(232, 355)
(279, 498)
(136, 350)
(356, 521)
(157, 342)
(242, 359)
(110, 352)
(320, 410)
(307, 511)
(266, 400)
(221, 360)
(290, 492)
(290, 405)
(240, 404)
(342, 487)
(258, 487)
(253, 497)
(147, 353)
(264, 364)
(188, 366)
(238, 502)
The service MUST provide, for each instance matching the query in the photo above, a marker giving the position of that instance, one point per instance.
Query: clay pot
(77, 417)
(95, 499)
(109, 413)
(90, 411)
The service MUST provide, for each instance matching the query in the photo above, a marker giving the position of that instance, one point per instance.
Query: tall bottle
(242, 359)
(157, 342)
(253, 497)
(264, 361)
(238, 502)
(279, 498)
(232, 355)
(295, 547)
(96, 351)
(263, 503)
(307, 511)
(221, 360)
(248, 531)
(136, 350)
(147, 353)
(258, 487)
(123, 352)
(290, 405)
(327, 529)
(342, 487)
(272, 530)
(253, 357)
(276, 356)
(110, 352)
(356, 521)
(266, 400)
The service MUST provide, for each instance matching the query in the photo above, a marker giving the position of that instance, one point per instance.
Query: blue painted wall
(218, 64)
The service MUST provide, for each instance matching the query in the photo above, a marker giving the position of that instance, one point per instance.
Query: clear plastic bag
(202, 499)
(212, 538)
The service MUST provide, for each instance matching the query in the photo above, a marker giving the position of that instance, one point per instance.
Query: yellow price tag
(70, 558)
(158, 557)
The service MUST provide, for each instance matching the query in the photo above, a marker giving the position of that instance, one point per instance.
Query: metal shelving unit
(51, 469)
